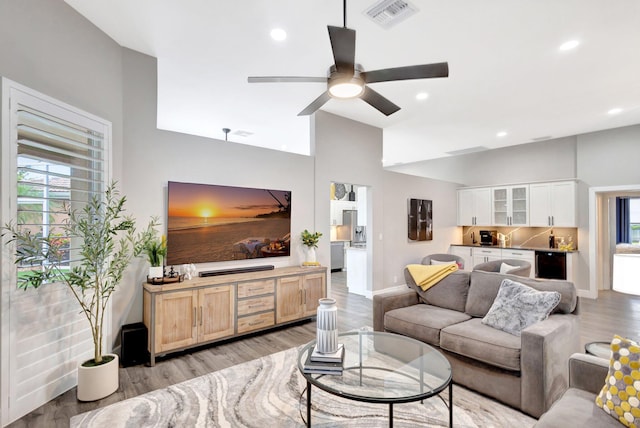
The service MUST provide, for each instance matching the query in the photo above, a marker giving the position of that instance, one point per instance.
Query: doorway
(602, 234)
(351, 247)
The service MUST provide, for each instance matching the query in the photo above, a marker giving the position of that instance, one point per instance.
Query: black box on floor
(133, 345)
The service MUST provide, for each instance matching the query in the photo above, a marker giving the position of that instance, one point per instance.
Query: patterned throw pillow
(518, 306)
(620, 395)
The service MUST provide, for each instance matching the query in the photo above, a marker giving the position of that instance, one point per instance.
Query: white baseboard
(391, 289)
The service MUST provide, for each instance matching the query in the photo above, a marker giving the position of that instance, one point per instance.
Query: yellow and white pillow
(620, 395)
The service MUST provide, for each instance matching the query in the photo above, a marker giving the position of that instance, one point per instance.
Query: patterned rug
(269, 392)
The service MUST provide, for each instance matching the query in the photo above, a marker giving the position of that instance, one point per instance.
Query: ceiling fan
(346, 79)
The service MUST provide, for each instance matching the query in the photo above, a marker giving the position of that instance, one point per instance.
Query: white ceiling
(506, 71)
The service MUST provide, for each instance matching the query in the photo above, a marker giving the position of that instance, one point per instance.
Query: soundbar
(235, 270)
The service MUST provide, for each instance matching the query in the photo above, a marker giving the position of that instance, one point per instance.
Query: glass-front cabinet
(510, 205)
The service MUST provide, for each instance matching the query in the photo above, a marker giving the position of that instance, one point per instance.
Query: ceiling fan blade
(316, 104)
(425, 71)
(278, 79)
(378, 102)
(343, 45)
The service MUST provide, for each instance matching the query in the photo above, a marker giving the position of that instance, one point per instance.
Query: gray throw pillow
(518, 306)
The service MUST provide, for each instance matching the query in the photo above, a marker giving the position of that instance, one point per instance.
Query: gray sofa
(528, 372)
(577, 407)
(523, 267)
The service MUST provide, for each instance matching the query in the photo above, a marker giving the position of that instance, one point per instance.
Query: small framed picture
(420, 220)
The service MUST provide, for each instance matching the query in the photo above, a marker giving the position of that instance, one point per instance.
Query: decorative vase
(156, 271)
(97, 382)
(310, 255)
(327, 326)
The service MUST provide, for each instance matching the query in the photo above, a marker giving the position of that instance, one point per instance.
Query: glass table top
(383, 367)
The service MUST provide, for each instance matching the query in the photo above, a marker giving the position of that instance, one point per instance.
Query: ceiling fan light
(346, 89)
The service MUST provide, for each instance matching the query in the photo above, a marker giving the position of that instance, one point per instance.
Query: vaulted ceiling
(509, 82)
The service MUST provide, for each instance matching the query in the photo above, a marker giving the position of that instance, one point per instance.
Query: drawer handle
(517, 254)
(256, 323)
(255, 288)
(256, 306)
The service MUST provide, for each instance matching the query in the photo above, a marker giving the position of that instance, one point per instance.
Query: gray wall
(351, 152)
(152, 157)
(547, 160)
(49, 47)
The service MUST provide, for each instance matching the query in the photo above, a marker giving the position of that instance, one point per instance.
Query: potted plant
(310, 240)
(104, 241)
(156, 250)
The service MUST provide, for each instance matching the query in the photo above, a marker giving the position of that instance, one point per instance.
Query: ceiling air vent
(242, 133)
(388, 13)
(467, 150)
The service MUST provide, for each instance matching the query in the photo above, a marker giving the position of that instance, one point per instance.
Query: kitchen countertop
(553, 250)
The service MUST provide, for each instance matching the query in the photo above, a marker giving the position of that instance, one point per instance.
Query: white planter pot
(310, 255)
(98, 382)
(156, 271)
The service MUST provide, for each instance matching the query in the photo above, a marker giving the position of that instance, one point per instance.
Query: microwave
(488, 237)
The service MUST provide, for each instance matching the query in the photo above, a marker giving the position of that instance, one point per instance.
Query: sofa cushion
(484, 286)
(475, 340)
(576, 408)
(450, 293)
(618, 397)
(422, 322)
(517, 306)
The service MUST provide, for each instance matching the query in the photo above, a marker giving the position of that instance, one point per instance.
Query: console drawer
(255, 322)
(255, 288)
(257, 304)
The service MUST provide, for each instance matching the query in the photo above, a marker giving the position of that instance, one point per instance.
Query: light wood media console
(205, 310)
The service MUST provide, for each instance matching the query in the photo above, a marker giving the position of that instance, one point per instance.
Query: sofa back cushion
(450, 293)
(484, 286)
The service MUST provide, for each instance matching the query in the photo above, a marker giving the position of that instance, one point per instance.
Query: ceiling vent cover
(388, 13)
(468, 150)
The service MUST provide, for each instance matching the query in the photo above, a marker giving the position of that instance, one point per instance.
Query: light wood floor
(611, 313)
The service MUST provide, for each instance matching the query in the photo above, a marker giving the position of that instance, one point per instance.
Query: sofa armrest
(544, 355)
(385, 302)
(588, 372)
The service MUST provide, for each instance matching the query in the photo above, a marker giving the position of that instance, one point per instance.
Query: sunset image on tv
(208, 223)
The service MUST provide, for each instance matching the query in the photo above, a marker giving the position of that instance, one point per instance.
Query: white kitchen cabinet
(474, 207)
(526, 255)
(510, 205)
(466, 253)
(357, 270)
(553, 204)
(361, 203)
(483, 255)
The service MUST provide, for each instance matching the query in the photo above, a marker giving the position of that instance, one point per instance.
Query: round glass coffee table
(383, 368)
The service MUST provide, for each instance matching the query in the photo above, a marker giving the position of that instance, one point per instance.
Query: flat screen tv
(211, 223)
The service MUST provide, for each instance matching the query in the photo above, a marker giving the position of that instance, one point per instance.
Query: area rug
(269, 392)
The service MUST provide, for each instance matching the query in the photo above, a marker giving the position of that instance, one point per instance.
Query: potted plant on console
(310, 240)
(156, 250)
(102, 241)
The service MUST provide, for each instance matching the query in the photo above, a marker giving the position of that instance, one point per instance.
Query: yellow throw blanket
(428, 275)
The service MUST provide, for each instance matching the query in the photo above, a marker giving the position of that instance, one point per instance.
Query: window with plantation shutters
(54, 156)
(59, 165)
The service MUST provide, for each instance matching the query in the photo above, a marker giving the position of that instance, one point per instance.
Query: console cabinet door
(175, 320)
(289, 305)
(216, 312)
(314, 288)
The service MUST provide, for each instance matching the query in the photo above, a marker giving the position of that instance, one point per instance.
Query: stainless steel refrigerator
(356, 234)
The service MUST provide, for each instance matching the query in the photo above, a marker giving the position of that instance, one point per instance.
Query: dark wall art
(420, 218)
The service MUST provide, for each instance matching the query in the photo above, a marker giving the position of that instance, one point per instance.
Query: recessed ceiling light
(501, 134)
(571, 44)
(278, 34)
(615, 111)
(422, 96)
